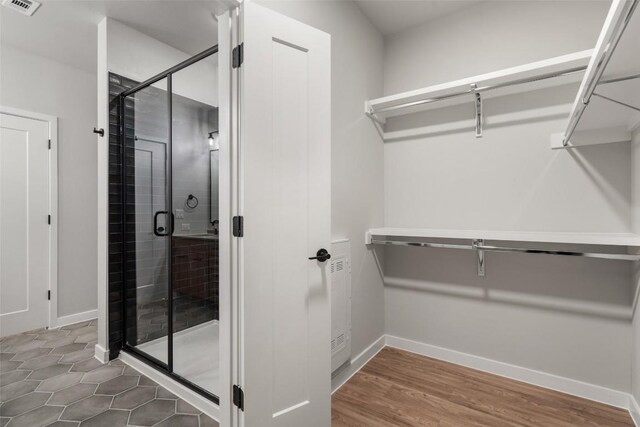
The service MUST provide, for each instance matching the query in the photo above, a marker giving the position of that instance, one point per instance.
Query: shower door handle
(159, 231)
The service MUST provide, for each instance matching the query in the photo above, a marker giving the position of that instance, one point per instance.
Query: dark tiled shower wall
(195, 281)
(117, 84)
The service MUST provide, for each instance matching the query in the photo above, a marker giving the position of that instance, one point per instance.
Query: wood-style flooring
(398, 388)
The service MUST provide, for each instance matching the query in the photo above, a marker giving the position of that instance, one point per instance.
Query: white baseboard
(195, 399)
(565, 385)
(634, 410)
(76, 318)
(101, 354)
(356, 364)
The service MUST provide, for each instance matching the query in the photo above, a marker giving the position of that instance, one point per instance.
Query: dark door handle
(322, 255)
(158, 231)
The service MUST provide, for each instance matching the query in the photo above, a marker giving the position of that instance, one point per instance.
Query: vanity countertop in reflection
(201, 236)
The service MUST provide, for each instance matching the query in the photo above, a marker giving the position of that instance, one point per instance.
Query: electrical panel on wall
(340, 303)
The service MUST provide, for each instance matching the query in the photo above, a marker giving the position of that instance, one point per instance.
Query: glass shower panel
(195, 241)
(147, 220)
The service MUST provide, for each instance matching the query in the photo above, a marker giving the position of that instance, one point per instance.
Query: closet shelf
(606, 108)
(613, 246)
(533, 76)
(607, 239)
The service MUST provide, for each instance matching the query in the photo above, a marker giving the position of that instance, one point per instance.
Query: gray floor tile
(110, 418)
(58, 342)
(36, 352)
(65, 424)
(87, 338)
(23, 404)
(133, 398)
(30, 345)
(82, 331)
(52, 334)
(17, 389)
(128, 370)
(86, 365)
(76, 326)
(183, 407)
(207, 421)
(61, 381)
(145, 381)
(13, 376)
(69, 348)
(86, 408)
(152, 412)
(72, 394)
(180, 421)
(102, 374)
(117, 385)
(63, 385)
(78, 356)
(50, 371)
(40, 362)
(7, 366)
(163, 393)
(41, 416)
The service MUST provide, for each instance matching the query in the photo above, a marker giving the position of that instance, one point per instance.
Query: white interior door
(285, 199)
(24, 228)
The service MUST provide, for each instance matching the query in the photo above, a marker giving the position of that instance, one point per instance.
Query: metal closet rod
(479, 89)
(488, 248)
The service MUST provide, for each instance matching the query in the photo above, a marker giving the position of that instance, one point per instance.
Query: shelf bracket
(477, 101)
(480, 252)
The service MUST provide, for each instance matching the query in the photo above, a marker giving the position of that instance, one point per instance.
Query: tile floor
(50, 378)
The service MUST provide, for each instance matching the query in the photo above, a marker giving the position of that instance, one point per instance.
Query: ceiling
(65, 30)
(392, 16)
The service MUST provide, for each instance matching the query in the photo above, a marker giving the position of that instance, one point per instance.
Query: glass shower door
(195, 255)
(147, 221)
(169, 128)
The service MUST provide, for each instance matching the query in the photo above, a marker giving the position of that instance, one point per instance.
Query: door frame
(52, 123)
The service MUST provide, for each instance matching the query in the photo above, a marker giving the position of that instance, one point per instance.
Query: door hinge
(49, 144)
(238, 397)
(49, 219)
(49, 295)
(237, 56)
(238, 226)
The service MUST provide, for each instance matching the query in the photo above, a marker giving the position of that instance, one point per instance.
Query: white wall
(550, 314)
(357, 158)
(635, 147)
(137, 56)
(40, 85)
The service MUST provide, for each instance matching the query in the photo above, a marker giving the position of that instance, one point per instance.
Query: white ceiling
(66, 30)
(392, 16)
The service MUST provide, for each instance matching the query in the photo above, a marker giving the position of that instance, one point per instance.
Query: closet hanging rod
(478, 89)
(487, 248)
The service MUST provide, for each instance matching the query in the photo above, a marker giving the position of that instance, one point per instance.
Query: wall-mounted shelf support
(616, 101)
(477, 98)
(477, 244)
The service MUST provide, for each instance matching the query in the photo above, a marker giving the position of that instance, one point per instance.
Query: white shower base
(196, 354)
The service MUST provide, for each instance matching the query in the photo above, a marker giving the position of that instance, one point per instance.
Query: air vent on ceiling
(26, 7)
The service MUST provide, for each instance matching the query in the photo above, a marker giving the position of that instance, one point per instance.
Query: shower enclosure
(170, 312)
